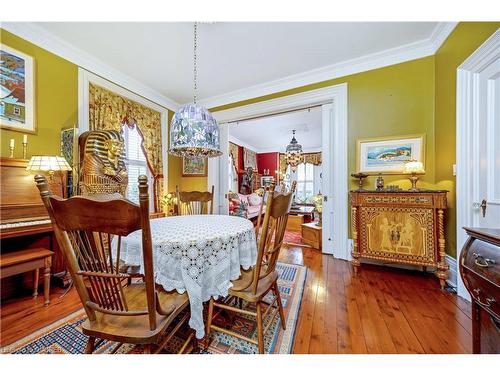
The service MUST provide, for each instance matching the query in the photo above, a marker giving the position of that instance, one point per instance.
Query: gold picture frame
(194, 167)
(387, 155)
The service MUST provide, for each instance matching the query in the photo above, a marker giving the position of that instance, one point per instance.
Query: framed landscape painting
(17, 90)
(195, 167)
(389, 154)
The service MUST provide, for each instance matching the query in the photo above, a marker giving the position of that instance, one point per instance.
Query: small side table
(16, 262)
(311, 235)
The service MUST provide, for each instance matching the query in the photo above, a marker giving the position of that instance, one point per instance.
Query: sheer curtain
(233, 175)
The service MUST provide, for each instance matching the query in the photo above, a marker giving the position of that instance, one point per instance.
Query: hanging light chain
(195, 67)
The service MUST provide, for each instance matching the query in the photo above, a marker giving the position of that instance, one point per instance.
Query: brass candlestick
(11, 148)
(25, 147)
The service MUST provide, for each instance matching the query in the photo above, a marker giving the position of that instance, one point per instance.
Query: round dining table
(197, 254)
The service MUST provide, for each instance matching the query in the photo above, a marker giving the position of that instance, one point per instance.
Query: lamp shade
(194, 133)
(48, 164)
(413, 166)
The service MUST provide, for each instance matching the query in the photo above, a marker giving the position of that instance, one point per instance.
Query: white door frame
(336, 96)
(468, 97)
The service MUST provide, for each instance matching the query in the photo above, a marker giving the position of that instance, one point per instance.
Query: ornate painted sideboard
(400, 227)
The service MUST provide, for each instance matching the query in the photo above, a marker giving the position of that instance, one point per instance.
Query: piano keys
(24, 221)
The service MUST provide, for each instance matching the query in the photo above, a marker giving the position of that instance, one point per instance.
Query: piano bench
(16, 262)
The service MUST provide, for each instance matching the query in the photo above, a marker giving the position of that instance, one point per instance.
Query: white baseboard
(452, 273)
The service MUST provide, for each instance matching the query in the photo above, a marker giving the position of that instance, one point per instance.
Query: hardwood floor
(382, 310)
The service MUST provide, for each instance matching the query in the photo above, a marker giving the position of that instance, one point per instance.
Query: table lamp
(414, 168)
(318, 204)
(48, 164)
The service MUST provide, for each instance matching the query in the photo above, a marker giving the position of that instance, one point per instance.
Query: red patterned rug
(293, 238)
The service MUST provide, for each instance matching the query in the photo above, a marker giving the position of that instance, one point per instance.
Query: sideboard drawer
(484, 293)
(484, 259)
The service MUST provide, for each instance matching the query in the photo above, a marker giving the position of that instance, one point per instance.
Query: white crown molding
(441, 33)
(411, 51)
(46, 40)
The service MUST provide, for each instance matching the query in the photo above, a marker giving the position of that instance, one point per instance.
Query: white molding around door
(467, 128)
(334, 102)
(85, 77)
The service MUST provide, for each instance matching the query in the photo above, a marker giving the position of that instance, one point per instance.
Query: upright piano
(24, 221)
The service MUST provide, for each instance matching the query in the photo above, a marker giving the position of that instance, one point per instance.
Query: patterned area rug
(65, 336)
(293, 238)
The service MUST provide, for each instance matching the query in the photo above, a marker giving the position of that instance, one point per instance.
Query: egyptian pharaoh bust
(103, 169)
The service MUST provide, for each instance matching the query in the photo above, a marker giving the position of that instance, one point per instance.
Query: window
(305, 183)
(136, 165)
(308, 177)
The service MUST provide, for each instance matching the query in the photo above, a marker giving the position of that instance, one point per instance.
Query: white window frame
(305, 180)
(85, 78)
(139, 163)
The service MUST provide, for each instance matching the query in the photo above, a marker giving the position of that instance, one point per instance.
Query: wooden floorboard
(380, 310)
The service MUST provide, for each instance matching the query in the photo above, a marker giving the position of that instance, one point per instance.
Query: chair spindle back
(195, 202)
(273, 230)
(84, 228)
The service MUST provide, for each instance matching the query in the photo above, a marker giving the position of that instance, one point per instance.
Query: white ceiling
(231, 55)
(273, 133)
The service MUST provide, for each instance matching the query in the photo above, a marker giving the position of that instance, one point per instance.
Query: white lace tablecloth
(199, 254)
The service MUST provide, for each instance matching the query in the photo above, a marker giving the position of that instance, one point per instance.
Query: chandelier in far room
(294, 153)
(194, 131)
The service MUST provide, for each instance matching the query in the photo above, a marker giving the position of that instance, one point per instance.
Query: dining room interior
(250, 188)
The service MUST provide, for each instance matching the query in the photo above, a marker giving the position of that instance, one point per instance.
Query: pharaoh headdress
(98, 174)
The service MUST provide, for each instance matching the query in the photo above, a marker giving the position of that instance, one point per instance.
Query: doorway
(478, 143)
(333, 103)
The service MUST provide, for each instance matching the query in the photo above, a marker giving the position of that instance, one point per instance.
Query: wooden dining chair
(253, 286)
(195, 202)
(137, 313)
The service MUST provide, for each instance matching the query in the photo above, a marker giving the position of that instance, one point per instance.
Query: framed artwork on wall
(194, 167)
(68, 144)
(388, 155)
(17, 91)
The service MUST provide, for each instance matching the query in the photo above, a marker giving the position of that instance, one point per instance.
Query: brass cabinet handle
(488, 300)
(481, 261)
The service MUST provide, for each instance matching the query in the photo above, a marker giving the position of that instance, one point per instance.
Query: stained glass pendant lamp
(194, 131)
(294, 153)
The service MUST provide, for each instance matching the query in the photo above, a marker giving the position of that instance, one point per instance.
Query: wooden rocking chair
(117, 311)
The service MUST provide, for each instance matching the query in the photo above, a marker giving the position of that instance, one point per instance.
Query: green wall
(413, 97)
(461, 43)
(56, 100)
(394, 100)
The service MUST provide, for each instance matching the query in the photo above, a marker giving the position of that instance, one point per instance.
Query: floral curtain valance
(311, 158)
(233, 150)
(110, 111)
(249, 159)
